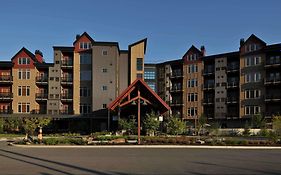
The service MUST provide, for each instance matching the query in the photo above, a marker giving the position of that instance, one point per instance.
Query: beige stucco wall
(123, 72)
(99, 78)
(137, 51)
(76, 83)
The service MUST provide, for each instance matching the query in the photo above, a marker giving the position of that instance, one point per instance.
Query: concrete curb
(148, 146)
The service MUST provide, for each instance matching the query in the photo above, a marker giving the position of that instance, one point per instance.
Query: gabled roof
(228, 54)
(190, 49)
(138, 42)
(32, 56)
(255, 38)
(145, 91)
(84, 34)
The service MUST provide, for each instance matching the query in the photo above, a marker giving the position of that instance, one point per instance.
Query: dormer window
(192, 57)
(24, 61)
(85, 45)
(251, 47)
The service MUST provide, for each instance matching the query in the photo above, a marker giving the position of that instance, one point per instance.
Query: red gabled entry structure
(139, 93)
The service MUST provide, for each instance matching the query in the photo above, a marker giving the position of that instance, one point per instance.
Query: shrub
(175, 126)
(64, 141)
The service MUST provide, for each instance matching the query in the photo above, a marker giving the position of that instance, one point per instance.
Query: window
(104, 52)
(249, 94)
(103, 106)
(139, 75)
(24, 61)
(85, 108)
(24, 74)
(192, 97)
(85, 75)
(104, 70)
(192, 68)
(85, 92)
(251, 47)
(149, 75)
(252, 61)
(23, 107)
(250, 110)
(192, 82)
(192, 111)
(252, 77)
(151, 85)
(104, 88)
(23, 90)
(139, 64)
(85, 45)
(85, 58)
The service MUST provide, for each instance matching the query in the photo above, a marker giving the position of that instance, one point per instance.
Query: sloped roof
(145, 91)
(84, 34)
(32, 56)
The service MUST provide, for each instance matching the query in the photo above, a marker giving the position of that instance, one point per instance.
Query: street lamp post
(139, 117)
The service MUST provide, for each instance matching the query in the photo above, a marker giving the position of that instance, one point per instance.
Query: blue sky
(170, 26)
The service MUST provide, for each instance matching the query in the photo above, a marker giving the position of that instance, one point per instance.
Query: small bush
(64, 141)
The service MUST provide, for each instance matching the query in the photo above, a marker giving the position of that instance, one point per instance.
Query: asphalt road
(123, 161)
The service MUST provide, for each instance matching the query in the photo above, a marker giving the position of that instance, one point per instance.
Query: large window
(85, 92)
(192, 57)
(250, 110)
(85, 45)
(85, 58)
(149, 75)
(192, 82)
(192, 111)
(23, 90)
(23, 107)
(252, 77)
(192, 97)
(24, 60)
(139, 64)
(85, 108)
(252, 61)
(192, 68)
(24, 74)
(252, 94)
(85, 75)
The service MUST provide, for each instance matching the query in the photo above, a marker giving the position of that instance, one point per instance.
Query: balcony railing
(6, 95)
(231, 68)
(177, 103)
(6, 111)
(176, 75)
(208, 100)
(208, 71)
(66, 96)
(39, 111)
(66, 63)
(272, 80)
(232, 99)
(42, 79)
(6, 79)
(176, 89)
(209, 86)
(66, 112)
(273, 62)
(232, 84)
(272, 97)
(41, 96)
(66, 79)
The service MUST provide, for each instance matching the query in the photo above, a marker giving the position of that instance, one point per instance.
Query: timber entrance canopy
(139, 90)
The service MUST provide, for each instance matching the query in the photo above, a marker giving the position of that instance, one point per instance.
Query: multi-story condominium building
(150, 75)
(229, 88)
(83, 79)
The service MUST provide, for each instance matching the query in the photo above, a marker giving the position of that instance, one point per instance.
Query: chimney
(39, 56)
(242, 41)
(203, 50)
(77, 36)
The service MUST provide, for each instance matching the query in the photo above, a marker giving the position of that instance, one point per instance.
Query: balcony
(176, 103)
(66, 80)
(272, 80)
(233, 99)
(232, 84)
(272, 63)
(42, 80)
(209, 71)
(208, 101)
(66, 112)
(176, 75)
(6, 96)
(208, 86)
(233, 68)
(272, 97)
(41, 96)
(66, 97)
(176, 89)
(6, 111)
(67, 64)
(6, 79)
(38, 111)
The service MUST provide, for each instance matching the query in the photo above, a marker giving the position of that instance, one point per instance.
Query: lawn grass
(11, 135)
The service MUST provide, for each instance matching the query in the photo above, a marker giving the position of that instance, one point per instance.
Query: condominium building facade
(82, 80)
